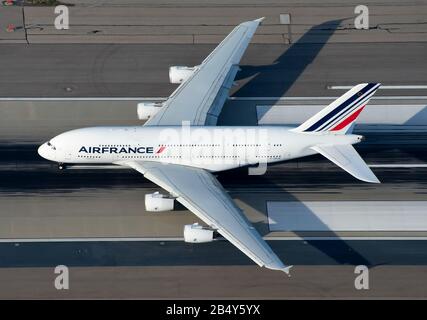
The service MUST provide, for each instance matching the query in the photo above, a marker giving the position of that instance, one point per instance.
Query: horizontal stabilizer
(346, 157)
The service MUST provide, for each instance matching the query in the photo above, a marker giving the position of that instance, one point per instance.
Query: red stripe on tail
(348, 120)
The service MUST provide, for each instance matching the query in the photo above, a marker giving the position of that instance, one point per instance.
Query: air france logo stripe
(348, 120)
(337, 111)
(348, 111)
(161, 149)
(345, 113)
(344, 107)
(350, 105)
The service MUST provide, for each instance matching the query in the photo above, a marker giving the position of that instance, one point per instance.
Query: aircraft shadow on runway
(289, 65)
(292, 63)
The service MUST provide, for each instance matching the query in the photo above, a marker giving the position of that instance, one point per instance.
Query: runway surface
(250, 282)
(217, 253)
(267, 70)
(193, 22)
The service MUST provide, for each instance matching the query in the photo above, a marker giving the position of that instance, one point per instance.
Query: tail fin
(340, 115)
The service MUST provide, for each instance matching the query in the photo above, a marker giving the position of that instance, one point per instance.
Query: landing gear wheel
(61, 166)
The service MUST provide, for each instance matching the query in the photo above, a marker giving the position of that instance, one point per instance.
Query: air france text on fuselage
(135, 150)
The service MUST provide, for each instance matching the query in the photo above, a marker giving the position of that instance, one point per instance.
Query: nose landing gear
(61, 166)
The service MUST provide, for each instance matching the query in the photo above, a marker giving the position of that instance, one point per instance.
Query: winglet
(259, 20)
(286, 270)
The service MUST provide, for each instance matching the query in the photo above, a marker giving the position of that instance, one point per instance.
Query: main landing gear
(61, 166)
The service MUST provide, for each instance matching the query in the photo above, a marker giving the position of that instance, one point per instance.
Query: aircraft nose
(43, 151)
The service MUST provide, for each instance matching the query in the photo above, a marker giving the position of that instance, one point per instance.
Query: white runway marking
(400, 87)
(399, 165)
(113, 239)
(82, 99)
(323, 98)
(95, 167)
(345, 238)
(378, 116)
(352, 216)
(165, 98)
(169, 239)
(117, 167)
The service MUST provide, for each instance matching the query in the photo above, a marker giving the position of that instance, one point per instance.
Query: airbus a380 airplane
(181, 158)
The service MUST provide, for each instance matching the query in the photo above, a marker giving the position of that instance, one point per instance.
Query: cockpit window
(51, 145)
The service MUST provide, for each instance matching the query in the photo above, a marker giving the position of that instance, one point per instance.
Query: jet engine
(157, 202)
(178, 74)
(146, 110)
(195, 233)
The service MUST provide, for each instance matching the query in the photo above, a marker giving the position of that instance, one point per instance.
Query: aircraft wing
(200, 98)
(200, 192)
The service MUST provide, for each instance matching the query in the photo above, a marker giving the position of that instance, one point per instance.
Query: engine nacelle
(195, 233)
(157, 202)
(146, 110)
(178, 74)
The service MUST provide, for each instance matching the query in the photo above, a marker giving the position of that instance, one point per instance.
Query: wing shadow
(291, 64)
(276, 79)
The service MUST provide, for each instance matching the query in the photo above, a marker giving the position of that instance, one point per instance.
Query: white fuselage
(210, 148)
